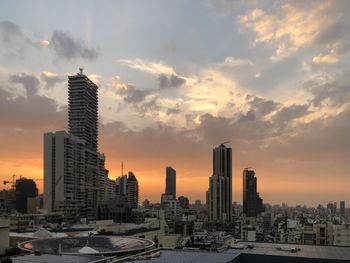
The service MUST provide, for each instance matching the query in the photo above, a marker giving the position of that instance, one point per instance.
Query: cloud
(44, 42)
(290, 113)
(156, 68)
(327, 93)
(9, 31)
(283, 51)
(325, 59)
(261, 106)
(172, 81)
(257, 75)
(51, 79)
(129, 91)
(299, 24)
(334, 55)
(28, 81)
(67, 47)
(292, 25)
(236, 62)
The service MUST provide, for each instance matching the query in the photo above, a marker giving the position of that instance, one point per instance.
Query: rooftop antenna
(223, 143)
(122, 168)
(81, 71)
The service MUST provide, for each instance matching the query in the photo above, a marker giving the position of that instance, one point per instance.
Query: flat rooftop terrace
(296, 251)
(251, 252)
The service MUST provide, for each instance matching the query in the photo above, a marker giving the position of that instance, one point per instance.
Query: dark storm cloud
(67, 47)
(51, 79)
(29, 82)
(9, 31)
(172, 81)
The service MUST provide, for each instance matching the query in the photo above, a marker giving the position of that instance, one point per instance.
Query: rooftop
(98, 245)
(53, 259)
(258, 253)
(300, 251)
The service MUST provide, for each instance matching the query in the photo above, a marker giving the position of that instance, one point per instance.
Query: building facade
(252, 203)
(83, 109)
(342, 207)
(75, 177)
(64, 175)
(24, 189)
(170, 181)
(132, 189)
(219, 195)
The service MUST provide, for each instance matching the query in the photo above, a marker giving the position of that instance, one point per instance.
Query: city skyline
(279, 92)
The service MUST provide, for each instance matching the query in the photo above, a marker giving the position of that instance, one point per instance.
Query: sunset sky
(176, 78)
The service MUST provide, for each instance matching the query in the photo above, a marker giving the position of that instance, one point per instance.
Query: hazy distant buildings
(252, 203)
(219, 195)
(184, 202)
(342, 207)
(198, 205)
(24, 189)
(107, 187)
(170, 182)
(132, 189)
(123, 196)
(332, 207)
(170, 205)
(121, 185)
(7, 200)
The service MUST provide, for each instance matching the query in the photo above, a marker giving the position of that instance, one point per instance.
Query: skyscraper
(342, 207)
(170, 181)
(74, 174)
(83, 109)
(252, 203)
(83, 123)
(121, 185)
(132, 189)
(219, 195)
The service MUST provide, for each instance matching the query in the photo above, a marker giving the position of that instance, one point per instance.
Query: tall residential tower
(219, 195)
(252, 203)
(75, 179)
(83, 109)
(170, 181)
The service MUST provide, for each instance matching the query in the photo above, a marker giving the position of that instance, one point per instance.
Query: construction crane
(13, 182)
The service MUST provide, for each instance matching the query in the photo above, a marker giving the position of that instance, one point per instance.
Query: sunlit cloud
(95, 78)
(325, 59)
(236, 62)
(155, 68)
(257, 75)
(290, 25)
(45, 42)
